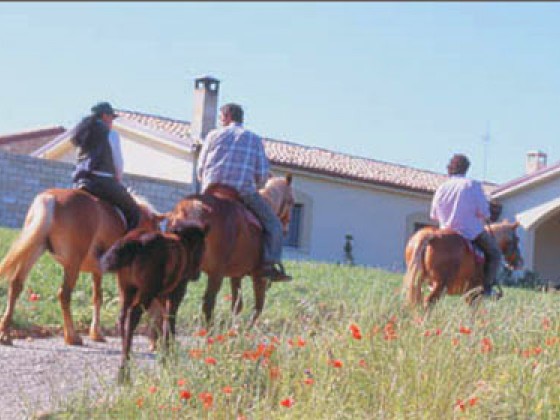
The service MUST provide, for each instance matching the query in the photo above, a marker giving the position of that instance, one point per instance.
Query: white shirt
(460, 204)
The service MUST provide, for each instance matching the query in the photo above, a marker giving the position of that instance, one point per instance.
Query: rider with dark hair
(99, 166)
(460, 204)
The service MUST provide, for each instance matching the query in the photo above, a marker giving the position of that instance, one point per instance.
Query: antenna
(486, 142)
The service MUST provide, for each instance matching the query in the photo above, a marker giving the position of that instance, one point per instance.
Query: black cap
(104, 108)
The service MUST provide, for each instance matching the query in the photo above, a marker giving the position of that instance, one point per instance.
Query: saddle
(226, 192)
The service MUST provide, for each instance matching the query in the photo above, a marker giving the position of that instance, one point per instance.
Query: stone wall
(23, 177)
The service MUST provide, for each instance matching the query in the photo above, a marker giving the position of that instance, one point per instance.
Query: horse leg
(236, 298)
(16, 286)
(155, 323)
(64, 296)
(259, 288)
(209, 299)
(97, 300)
(132, 318)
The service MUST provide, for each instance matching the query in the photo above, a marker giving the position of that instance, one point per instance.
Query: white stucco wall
(380, 221)
(546, 256)
(534, 206)
(142, 158)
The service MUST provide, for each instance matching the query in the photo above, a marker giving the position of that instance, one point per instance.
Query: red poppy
(228, 298)
(546, 323)
(460, 405)
(465, 330)
(206, 398)
(362, 363)
(181, 382)
(210, 340)
(210, 361)
(232, 333)
(140, 402)
(473, 401)
(200, 333)
(220, 338)
(336, 363)
(227, 390)
(288, 402)
(33, 297)
(153, 390)
(308, 381)
(185, 395)
(486, 345)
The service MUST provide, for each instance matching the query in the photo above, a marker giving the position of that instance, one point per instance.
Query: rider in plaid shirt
(235, 157)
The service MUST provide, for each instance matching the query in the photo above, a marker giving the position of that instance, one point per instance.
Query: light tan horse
(446, 261)
(76, 228)
(233, 244)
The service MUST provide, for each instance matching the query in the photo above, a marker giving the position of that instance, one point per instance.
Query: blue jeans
(273, 234)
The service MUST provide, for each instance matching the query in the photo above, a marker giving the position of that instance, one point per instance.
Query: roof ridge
(31, 131)
(153, 116)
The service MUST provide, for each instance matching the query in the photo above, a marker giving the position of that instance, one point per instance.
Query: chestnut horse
(76, 228)
(448, 262)
(153, 265)
(233, 245)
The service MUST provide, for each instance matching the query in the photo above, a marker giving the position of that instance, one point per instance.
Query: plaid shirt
(235, 157)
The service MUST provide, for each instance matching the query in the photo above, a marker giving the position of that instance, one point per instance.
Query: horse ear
(289, 179)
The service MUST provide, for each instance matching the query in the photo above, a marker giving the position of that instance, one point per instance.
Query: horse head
(508, 241)
(192, 235)
(279, 193)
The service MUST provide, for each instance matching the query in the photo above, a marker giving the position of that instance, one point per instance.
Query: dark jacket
(94, 149)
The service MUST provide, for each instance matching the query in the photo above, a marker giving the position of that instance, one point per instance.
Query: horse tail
(414, 276)
(31, 242)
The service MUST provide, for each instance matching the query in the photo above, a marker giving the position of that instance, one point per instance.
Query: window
(293, 237)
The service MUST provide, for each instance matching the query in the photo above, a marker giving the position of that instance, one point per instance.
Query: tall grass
(342, 347)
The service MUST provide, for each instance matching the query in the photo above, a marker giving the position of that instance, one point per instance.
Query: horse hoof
(74, 341)
(95, 336)
(5, 339)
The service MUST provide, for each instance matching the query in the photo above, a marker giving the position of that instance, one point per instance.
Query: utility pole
(485, 143)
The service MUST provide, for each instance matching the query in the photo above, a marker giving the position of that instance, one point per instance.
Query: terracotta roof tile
(177, 128)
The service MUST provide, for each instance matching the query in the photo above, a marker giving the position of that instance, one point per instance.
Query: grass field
(335, 343)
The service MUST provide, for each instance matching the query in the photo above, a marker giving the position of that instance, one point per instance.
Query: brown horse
(448, 262)
(76, 228)
(233, 245)
(153, 265)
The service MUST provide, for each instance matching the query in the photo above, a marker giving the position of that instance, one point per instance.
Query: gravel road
(36, 374)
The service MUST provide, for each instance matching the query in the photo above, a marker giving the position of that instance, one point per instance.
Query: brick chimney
(205, 106)
(536, 159)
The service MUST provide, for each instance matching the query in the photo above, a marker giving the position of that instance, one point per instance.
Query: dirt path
(37, 374)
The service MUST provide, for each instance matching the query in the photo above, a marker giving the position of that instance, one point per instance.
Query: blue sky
(409, 83)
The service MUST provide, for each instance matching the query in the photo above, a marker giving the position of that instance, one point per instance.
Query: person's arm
(115, 143)
(433, 208)
(202, 156)
(263, 166)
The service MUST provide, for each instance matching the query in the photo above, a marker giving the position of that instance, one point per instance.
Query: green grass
(420, 373)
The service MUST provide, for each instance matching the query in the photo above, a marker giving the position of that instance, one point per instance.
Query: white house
(380, 204)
